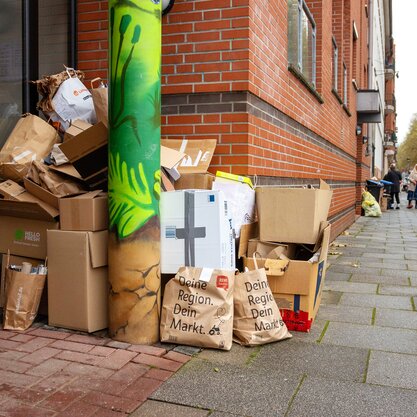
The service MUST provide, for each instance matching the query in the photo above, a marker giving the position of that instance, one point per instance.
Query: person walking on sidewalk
(412, 192)
(394, 176)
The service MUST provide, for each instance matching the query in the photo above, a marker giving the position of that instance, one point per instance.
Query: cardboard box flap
(28, 210)
(67, 169)
(10, 189)
(90, 195)
(198, 153)
(98, 248)
(85, 142)
(247, 232)
(324, 185)
(170, 157)
(325, 243)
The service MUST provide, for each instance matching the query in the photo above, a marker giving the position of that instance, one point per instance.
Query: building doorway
(37, 37)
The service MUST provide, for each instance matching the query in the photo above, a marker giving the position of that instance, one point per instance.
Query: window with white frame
(302, 39)
(345, 85)
(335, 60)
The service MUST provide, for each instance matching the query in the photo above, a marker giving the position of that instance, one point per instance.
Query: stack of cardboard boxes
(291, 242)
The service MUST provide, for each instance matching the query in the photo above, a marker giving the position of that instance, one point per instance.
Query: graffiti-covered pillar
(134, 170)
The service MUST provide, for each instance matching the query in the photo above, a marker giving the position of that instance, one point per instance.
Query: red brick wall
(226, 46)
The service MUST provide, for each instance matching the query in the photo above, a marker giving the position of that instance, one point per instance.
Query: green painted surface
(134, 114)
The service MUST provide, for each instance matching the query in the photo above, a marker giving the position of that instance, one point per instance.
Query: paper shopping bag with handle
(23, 294)
(257, 319)
(197, 309)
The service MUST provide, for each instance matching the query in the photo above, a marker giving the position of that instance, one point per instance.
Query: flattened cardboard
(198, 153)
(88, 153)
(67, 169)
(292, 215)
(78, 291)
(28, 207)
(88, 212)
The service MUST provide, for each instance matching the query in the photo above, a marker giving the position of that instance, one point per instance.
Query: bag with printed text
(197, 308)
(257, 319)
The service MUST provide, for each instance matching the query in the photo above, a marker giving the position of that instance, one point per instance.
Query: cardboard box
(87, 212)
(87, 151)
(17, 260)
(197, 181)
(195, 231)
(298, 290)
(193, 167)
(77, 126)
(77, 280)
(23, 226)
(292, 215)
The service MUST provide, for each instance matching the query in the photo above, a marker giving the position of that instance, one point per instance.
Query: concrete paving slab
(336, 276)
(394, 256)
(234, 389)
(319, 397)
(413, 282)
(330, 297)
(396, 318)
(398, 273)
(397, 290)
(355, 269)
(162, 409)
(326, 361)
(370, 300)
(379, 279)
(313, 335)
(412, 266)
(238, 355)
(392, 369)
(351, 287)
(346, 314)
(372, 337)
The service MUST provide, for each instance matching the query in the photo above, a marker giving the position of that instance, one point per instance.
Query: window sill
(345, 108)
(336, 94)
(309, 86)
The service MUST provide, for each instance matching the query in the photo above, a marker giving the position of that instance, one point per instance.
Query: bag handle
(256, 253)
(8, 259)
(94, 80)
(68, 69)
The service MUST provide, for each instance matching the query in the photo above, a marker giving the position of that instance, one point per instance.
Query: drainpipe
(370, 129)
(134, 170)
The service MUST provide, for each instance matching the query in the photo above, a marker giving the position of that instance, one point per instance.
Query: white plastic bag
(73, 101)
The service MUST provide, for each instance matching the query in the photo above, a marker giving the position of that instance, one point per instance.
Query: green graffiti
(135, 113)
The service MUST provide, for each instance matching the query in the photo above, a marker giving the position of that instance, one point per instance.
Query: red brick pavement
(54, 373)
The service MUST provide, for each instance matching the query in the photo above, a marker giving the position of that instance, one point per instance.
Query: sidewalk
(360, 359)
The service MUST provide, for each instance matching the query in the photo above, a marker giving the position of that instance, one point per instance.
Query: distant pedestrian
(394, 176)
(412, 191)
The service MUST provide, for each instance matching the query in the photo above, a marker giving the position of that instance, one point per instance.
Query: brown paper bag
(257, 319)
(197, 309)
(52, 181)
(100, 100)
(24, 293)
(31, 140)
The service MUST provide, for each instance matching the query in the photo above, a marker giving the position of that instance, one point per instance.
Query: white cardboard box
(196, 230)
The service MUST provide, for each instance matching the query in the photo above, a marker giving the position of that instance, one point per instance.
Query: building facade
(276, 84)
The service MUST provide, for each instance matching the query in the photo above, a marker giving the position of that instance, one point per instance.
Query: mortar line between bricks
(295, 394)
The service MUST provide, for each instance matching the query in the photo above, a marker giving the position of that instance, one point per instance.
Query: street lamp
(167, 5)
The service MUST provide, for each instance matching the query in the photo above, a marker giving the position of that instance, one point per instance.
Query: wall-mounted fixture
(167, 5)
(358, 130)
